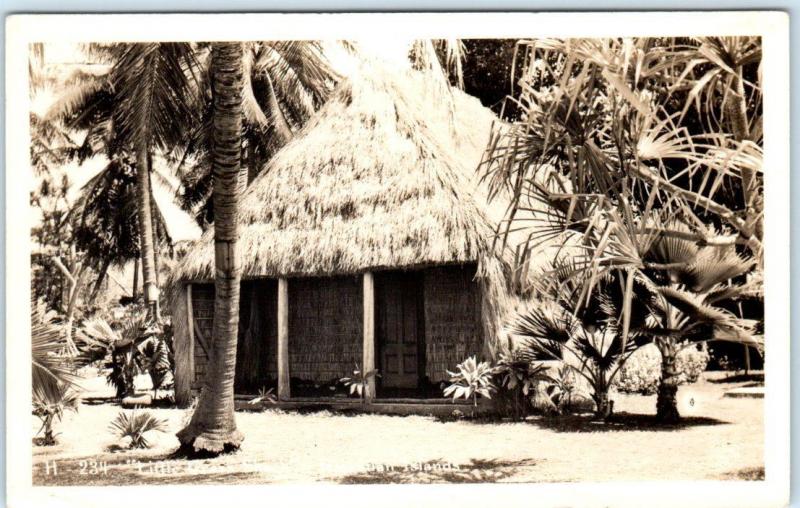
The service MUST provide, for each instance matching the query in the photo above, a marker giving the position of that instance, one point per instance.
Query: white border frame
(772, 26)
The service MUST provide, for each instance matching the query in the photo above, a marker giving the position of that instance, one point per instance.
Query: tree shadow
(619, 422)
(752, 474)
(739, 378)
(439, 471)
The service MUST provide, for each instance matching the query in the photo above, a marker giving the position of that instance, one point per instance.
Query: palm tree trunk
(135, 291)
(100, 278)
(667, 402)
(145, 214)
(740, 126)
(213, 426)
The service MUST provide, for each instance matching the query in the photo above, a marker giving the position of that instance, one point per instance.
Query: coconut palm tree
(285, 82)
(213, 426)
(135, 100)
(153, 84)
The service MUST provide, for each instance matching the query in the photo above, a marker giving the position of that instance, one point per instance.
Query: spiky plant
(135, 425)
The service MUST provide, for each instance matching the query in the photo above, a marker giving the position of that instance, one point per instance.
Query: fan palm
(694, 291)
(54, 384)
(562, 328)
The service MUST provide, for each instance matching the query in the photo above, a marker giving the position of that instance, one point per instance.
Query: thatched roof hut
(382, 181)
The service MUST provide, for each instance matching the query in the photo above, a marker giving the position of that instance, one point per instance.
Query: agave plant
(359, 381)
(471, 380)
(264, 395)
(135, 424)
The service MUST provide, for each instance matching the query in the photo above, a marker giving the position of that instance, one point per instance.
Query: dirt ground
(720, 438)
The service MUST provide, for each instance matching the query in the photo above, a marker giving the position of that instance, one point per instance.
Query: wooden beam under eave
(368, 359)
(284, 376)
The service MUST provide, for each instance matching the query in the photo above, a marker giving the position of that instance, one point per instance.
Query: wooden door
(399, 330)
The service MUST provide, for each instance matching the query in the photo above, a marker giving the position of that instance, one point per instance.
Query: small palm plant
(134, 425)
(358, 383)
(264, 395)
(471, 380)
(50, 411)
(570, 324)
(55, 387)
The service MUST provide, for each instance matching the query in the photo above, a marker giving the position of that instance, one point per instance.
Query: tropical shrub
(516, 375)
(642, 371)
(134, 425)
(138, 347)
(358, 383)
(562, 387)
(471, 380)
(583, 331)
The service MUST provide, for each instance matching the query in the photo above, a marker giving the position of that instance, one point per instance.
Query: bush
(642, 372)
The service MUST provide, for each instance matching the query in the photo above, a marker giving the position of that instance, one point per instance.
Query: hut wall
(256, 353)
(453, 325)
(325, 327)
(203, 310)
(256, 362)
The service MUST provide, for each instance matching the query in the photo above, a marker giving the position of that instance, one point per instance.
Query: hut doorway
(400, 333)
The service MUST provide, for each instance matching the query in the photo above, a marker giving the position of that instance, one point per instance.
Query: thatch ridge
(383, 177)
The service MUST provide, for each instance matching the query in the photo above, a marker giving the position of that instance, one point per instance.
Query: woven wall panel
(453, 329)
(325, 327)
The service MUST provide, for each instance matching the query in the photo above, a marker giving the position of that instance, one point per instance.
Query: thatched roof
(383, 177)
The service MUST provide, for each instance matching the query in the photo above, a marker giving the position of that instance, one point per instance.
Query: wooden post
(184, 350)
(284, 378)
(368, 360)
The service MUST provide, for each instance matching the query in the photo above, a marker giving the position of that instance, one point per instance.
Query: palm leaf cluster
(55, 386)
(285, 83)
(135, 424)
(604, 135)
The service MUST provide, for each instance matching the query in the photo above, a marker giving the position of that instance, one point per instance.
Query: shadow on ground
(739, 378)
(747, 474)
(437, 471)
(618, 422)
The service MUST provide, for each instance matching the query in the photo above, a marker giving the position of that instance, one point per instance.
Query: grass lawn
(720, 438)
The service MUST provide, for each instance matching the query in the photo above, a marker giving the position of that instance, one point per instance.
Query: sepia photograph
(529, 257)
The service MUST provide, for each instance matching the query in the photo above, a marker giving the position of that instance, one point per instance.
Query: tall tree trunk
(135, 291)
(100, 278)
(740, 126)
(667, 402)
(213, 426)
(145, 214)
